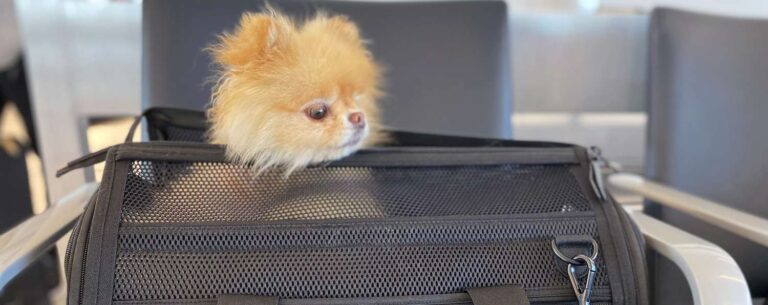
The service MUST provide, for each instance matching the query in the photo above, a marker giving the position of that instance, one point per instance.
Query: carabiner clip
(583, 295)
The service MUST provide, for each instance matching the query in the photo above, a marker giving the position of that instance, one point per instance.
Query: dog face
(292, 95)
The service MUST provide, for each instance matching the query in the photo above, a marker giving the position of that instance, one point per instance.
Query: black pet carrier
(427, 220)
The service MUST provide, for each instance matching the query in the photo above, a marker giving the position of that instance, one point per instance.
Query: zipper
(82, 268)
(82, 273)
(637, 259)
(71, 247)
(80, 232)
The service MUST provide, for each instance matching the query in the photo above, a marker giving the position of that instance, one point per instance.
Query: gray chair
(708, 118)
(448, 62)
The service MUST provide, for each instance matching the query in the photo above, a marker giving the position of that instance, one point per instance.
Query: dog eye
(317, 111)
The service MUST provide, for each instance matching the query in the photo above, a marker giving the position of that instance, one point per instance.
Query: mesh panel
(197, 192)
(225, 231)
(376, 260)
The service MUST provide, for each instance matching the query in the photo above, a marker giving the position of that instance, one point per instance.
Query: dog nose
(357, 119)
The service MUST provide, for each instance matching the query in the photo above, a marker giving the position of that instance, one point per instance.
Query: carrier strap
(497, 295)
(233, 299)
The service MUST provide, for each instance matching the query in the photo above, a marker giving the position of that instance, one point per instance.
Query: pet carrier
(427, 220)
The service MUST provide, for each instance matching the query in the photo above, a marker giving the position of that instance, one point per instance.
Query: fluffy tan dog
(292, 94)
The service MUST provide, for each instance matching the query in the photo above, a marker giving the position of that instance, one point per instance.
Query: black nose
(357, 119)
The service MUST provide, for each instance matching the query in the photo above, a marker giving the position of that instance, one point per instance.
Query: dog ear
(256, 37)
(341, 26)
(344, 27)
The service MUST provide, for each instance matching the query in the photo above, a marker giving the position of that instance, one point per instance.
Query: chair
(448, 61)
(708, 102)
(42, 274)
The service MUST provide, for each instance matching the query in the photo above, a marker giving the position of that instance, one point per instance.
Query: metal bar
(22, 245)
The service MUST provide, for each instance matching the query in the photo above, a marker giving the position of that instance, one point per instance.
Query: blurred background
(74, 73)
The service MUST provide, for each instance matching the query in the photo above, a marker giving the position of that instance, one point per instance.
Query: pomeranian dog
(291, 94)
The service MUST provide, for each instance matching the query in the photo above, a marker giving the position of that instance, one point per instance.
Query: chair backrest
(448, 62)
(708, 118)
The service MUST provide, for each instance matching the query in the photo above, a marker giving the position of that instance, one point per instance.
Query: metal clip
(596, 155)
(583, 295)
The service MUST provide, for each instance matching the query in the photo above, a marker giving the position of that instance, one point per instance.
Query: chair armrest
(24, 243)
(712, 274)
(743, 224)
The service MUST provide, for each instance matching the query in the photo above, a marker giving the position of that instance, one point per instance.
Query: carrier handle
(100, 155)
(134, 126)
(166, 116)
(84, 161)
(496, 295)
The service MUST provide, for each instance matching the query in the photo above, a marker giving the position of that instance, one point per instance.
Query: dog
(292, 94)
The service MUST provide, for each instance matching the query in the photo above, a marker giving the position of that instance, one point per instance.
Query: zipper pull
(596, 163)
(596, 155)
